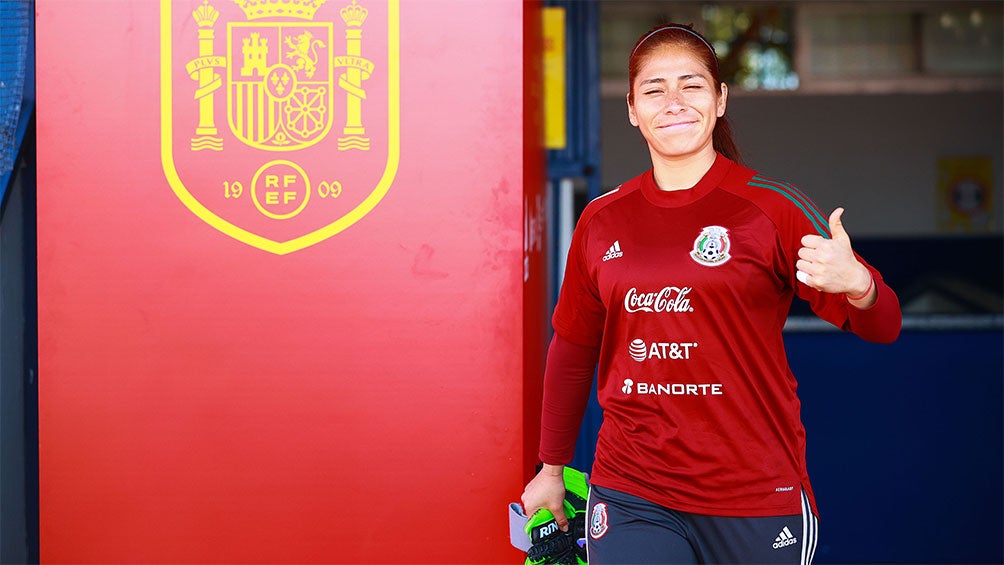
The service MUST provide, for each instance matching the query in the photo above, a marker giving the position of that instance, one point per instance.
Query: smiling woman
(701, 456)
(676, 64)
(676, 106)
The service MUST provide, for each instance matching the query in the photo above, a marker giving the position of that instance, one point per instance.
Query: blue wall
(904, 445)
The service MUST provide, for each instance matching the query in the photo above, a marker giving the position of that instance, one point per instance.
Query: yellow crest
(309, 93)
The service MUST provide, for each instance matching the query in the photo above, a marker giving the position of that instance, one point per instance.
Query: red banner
(290, 279)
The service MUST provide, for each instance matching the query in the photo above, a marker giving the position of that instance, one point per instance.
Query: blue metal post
(579, 160)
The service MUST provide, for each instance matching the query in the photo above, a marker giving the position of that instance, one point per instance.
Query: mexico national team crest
(280, 118)
(711, 248)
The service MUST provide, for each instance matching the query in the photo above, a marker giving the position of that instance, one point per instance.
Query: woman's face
(676, 103)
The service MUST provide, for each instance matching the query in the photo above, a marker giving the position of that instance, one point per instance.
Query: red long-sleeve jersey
(684, 294)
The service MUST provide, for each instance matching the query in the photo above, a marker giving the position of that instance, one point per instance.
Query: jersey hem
(731, 512)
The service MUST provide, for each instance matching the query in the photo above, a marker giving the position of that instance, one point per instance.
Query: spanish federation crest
(280, 118)
(711, 248)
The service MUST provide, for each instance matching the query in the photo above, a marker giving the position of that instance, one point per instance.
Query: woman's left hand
(829, 265)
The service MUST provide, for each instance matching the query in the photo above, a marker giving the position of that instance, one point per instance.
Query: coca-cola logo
(669, 299)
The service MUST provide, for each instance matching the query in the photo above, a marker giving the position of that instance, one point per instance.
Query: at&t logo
(640, 351)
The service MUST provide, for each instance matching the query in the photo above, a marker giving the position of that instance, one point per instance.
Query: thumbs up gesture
(829, 265)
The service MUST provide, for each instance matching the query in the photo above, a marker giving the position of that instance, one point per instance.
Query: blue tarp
(15, 35)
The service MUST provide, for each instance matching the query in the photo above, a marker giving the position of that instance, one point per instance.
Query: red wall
(363, 398)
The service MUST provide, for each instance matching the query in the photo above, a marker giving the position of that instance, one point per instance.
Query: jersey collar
(676, 198)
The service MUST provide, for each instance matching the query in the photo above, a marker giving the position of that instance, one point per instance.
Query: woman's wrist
(553, 470)
(856, 297)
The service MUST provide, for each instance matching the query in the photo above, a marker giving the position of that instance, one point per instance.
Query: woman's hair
(685, 37)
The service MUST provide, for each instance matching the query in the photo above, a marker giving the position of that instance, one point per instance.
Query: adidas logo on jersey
(614, 251)
(784, 539)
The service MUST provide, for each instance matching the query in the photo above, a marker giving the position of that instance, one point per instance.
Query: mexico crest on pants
(280, 118)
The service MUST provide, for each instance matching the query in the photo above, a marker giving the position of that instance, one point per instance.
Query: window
(963, 41)
(824, 47)
(754, 45)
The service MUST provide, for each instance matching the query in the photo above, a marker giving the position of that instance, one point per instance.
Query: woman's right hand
(547, 490)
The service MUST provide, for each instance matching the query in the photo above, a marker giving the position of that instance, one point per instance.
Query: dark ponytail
(723, 142)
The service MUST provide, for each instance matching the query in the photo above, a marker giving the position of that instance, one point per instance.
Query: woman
(678, 284)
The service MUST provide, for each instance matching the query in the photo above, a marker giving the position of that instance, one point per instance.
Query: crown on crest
(205, 15)
(302, 9)
(354, 15)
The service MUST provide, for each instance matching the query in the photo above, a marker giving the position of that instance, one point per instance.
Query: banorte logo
(669, 299)
(628, 384)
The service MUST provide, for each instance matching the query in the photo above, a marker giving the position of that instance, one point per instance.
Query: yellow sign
(965, 194)
(554, 78)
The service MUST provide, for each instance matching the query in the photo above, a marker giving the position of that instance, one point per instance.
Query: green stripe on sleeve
(805, 198)
(813, 216)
